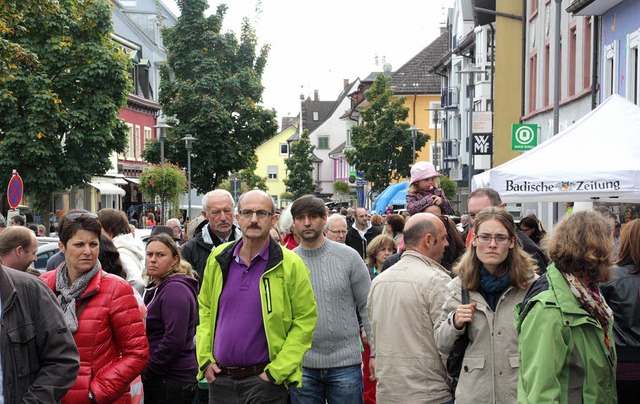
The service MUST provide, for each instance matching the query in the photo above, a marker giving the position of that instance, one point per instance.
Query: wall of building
(269, 154)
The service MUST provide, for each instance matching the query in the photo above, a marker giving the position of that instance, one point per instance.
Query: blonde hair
(181, 267)
(377, 243)
(518, 263)
(414, 188)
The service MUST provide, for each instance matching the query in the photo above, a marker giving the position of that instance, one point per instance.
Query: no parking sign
(15, 190)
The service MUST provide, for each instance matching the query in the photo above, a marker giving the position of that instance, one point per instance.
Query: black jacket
(196, 251)
(622, 294)
(532, 248)
(359, 244)
(40, 360)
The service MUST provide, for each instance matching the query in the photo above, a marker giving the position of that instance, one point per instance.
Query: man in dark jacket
(40, 360)
(361, 233)
(485, 197)
(217, 208)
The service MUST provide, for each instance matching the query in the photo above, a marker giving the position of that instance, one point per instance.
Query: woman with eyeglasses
(496, 272)
(532, 227)
(171, 299)
(101, 313)
(378, 250)
(567, 352)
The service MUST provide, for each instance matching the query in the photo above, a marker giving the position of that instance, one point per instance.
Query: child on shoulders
(424, 189)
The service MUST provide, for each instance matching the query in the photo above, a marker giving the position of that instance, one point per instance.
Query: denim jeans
(333, 386)
(251, 390)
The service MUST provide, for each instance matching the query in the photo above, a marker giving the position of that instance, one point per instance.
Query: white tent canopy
(595, 159)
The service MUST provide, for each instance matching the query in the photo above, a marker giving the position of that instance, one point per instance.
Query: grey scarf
(67, 294)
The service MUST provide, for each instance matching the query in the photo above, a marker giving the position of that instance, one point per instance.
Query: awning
(133, 180)
(120, 181)
(106, 188)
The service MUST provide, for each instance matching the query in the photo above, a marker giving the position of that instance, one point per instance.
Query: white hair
(286, 220)
(333, 218)
(215, 192)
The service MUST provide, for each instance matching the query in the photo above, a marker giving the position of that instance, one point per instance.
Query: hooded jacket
(40, 360)
(132, 258)
(358, 243)
(562, 353)
(171, 325)
(289, 310)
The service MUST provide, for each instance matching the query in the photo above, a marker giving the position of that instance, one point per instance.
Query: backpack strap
(465, 294)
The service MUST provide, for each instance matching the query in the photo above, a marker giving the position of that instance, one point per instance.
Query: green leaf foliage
(250, 179)
(340, 187)
(300, 167)
(211, 88)
(165, 181)
(381, 147)
(449, 187)
(62, 84)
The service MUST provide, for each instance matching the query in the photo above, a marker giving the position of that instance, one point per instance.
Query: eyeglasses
(248, 214)
(340, 232)
(500, 239)
(217, 213)
(84, 215)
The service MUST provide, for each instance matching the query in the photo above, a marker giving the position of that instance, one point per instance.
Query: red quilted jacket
(111, 340)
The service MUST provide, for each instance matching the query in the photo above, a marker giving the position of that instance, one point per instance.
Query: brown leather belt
(237, 373)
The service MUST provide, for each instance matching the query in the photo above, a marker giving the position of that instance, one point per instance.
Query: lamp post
(436, 118)
(188, 144)
(414, 134)
(161, 128)
(471, 70)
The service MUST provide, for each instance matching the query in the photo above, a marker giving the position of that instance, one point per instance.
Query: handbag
(454, 360)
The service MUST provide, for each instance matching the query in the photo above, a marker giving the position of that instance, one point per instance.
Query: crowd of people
(306, 305)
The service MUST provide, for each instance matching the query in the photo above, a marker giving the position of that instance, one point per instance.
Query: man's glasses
(248, 214)
(340, 232)
(217, 213)
(500, 239)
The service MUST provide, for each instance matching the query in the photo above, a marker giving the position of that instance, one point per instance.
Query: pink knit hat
(422, 170)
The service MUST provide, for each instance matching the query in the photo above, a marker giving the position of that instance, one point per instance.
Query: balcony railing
(450, 98)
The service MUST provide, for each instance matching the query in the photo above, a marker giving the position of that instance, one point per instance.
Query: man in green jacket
(257, 312)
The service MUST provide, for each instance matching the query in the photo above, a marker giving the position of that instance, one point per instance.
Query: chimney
(315, 95)
(345, 82)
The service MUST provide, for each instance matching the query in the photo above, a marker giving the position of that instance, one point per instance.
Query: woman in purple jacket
(171, 299)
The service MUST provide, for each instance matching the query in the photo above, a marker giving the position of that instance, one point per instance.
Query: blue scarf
(492, 288)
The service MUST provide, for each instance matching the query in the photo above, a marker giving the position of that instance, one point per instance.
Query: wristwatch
(92, 398)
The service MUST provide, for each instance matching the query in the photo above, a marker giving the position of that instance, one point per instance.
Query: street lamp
(414, 134)
(188, 144)
(436, 118)
(471, 70)
(161, 128)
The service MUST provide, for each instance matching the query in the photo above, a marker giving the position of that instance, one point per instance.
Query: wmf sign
(482, 144)
(524, 136)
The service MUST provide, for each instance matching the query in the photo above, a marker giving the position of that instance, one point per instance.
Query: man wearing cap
(361, 233)
(332, 367)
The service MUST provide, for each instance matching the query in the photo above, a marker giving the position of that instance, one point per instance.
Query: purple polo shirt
(240, 339)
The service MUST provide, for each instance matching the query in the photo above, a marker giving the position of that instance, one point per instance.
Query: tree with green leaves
(381, 146)
(165, 181)
(449, 187)
(250, 179)
(62, 84)
(211, 88)
(300, 167)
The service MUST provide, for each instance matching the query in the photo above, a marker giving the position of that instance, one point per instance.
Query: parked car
(46, 240)
(45, 252)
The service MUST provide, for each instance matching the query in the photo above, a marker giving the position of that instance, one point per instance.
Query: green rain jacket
(289, 310)
(563, 356)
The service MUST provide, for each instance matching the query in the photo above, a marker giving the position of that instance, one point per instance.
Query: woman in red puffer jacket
(101, 312)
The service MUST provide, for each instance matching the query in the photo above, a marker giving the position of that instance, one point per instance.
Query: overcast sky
(315, 45)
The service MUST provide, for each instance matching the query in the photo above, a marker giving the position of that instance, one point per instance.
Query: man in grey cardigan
(331, 369)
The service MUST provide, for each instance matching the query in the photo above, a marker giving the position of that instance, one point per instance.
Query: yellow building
(271, 155)
(422, 92)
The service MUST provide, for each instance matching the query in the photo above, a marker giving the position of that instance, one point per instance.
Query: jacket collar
(426, 260)
(7, 288)
(225, 257)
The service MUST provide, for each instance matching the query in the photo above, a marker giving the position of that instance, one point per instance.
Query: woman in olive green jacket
(567, 352)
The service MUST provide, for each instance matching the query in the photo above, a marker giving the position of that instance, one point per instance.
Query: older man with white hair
(336, 228)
